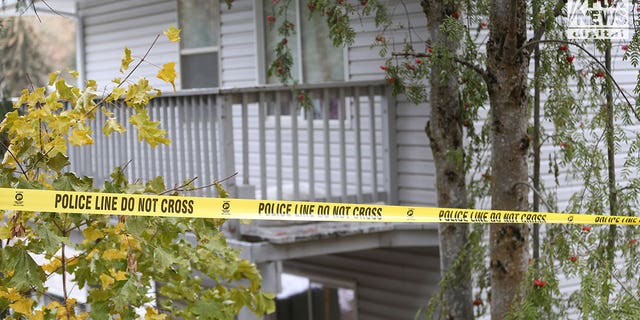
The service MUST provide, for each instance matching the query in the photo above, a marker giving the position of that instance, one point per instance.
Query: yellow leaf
(38, 315)
(10, 294)
(53, 76)
(52, 266)
(126, 60)
(22, 306)
(114, 254)
(73, 73)
(119, 275)
(168, 74)
(91, 234)
(153, 314)
(112, 125)
(106, 281)
(173, 34)
(80, 137)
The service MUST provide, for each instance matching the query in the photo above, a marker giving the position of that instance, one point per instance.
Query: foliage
(118, 260)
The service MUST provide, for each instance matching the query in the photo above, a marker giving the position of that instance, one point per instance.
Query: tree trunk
(446, 139)
(507, 68)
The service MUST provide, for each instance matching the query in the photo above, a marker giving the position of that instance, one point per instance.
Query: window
(315, 57)
(199, 44)
(316, 298)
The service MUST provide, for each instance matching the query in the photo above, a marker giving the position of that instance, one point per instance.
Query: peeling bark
(507, 68)
(446, 140)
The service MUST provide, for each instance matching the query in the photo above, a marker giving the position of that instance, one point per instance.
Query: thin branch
(465, 63)
(538, 33)
(594, 58)
(181, 187)
(536, 191)
(24, 173)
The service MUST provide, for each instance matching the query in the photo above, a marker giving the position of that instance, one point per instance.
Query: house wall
(391, 283)
(241, 66)
(109, 26)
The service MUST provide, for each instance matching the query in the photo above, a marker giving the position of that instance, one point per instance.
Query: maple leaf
(22, 306)
(126, 60)
(80, 137)
(168, 74)
(173, 34)
(114, 254)
(106, 281)
(112, 125)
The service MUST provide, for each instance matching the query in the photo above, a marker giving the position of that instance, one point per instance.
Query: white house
(358, 144)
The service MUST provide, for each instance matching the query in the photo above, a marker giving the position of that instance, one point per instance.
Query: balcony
(262, 143)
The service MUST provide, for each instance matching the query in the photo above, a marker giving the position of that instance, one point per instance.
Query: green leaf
(148, 130)
(162, 259)
(156, 185)
(27, 273)
(70, 182)
(50, 240)
(58, 162)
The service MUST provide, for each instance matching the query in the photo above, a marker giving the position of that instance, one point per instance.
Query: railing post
(226, 143)
(227, 157)
(389, 144)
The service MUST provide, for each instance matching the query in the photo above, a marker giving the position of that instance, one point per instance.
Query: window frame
(261, 43)
(202, 50)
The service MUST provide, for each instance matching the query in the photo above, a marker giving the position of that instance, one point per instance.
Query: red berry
(563, 144)
(301, 97)
(586, 228)
(391, 80)
(600, 74)
(418, 61)
(383, 68)
(310, 5)
(625, 47)
(570, 58)
(363, 2)
(456, 14)
(632, 242)
(411, 67)
(564, 47)
(271, 19)
(483, 24)
(573, 258)
(340, 1)
(430, 49)
(477, 302)
(539, 283)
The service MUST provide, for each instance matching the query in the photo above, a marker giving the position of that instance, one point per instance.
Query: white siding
(238, 49)
(109, 26)
(392, 283)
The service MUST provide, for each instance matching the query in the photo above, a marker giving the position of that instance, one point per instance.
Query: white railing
(338, 150)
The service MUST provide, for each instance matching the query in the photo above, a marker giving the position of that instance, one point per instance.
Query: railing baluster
(199, 163)
(207, 149)
(262, 141)
(278, 132)
(343, 150)
(213, 106)
(295, 166)
(358, 137)
(190, 160)
(311, 186)
(372, 140)
(245, 140)
(327, 144)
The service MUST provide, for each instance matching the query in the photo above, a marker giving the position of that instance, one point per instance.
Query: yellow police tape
(226, 208)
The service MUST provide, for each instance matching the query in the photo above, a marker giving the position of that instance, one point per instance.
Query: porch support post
(227, 156)
(389, 144)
